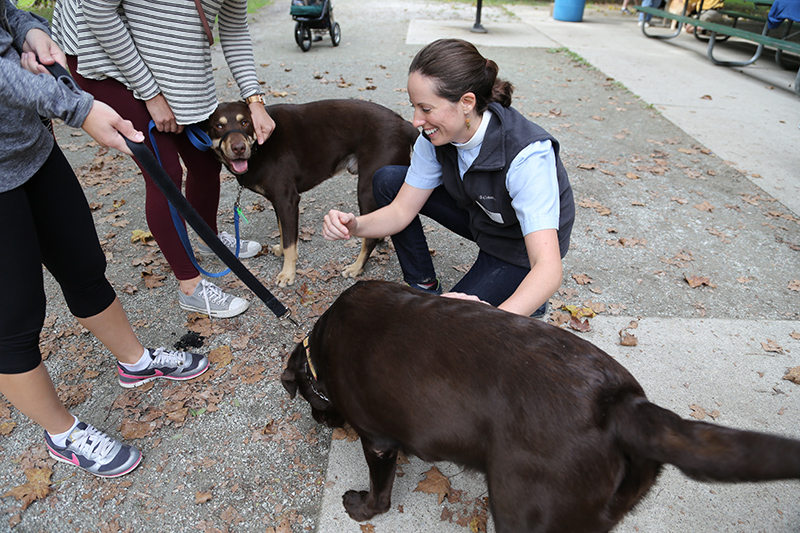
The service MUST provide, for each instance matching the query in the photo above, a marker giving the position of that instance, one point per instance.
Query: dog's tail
(703, 451)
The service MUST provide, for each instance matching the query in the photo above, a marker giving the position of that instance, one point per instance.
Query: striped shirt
(158, 46)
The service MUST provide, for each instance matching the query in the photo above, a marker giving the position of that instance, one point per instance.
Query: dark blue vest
(483, 189)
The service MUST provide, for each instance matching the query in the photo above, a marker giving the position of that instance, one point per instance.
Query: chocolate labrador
(311, 143)
(564, 434)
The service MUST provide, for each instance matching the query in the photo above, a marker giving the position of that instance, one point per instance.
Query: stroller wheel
(336, 34)
(302, 36)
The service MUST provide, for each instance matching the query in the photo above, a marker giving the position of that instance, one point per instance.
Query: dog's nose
(239, 148)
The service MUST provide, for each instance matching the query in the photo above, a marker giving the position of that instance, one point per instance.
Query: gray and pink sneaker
(166, 364)
(94, 451)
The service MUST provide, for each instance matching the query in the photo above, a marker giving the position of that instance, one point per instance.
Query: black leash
(149, 162)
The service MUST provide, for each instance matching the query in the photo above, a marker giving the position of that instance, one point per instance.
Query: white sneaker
(246, 248)
(209, 299)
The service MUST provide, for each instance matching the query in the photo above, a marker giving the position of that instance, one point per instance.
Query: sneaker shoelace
(227, 239)
(163, 357)
(212, 293)
(92, 443)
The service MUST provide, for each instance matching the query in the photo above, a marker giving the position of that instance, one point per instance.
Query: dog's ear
(289, 381)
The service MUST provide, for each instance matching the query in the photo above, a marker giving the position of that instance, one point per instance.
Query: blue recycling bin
(569, 10)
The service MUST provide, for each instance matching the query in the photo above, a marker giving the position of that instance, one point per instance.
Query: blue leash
(202, 142)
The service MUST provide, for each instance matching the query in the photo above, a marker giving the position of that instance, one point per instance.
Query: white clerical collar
(476, 139)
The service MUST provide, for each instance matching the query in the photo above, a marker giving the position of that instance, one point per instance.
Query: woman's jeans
(490, 279)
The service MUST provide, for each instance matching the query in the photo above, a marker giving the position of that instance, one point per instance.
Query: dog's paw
(353, 270)
(285, 278)
(355, 503)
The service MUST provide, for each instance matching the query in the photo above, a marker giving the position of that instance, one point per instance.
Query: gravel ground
(230, 451)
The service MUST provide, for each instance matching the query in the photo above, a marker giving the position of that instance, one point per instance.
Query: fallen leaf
(133, 429)
(771, 346)
(582, 279)
(697, 281)
(37, 487)
(434, 483)
(705, 97)
(705, 206)
(202, 497)
(794, 285)
(700, 413)
(627, 339)
(221, 356)
(367, 528)
(580, 325)
(345, 433)
(141, 236)
(793, 375)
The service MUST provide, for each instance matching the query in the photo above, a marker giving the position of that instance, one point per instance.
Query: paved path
(249, 459)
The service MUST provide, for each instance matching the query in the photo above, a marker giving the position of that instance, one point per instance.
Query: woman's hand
(38, 43)
(262, 122)
(162, 115)
(338, 226)
(107, 128)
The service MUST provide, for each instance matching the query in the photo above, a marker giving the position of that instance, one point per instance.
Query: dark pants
(202, 171)
(46, 221)
(490, 279)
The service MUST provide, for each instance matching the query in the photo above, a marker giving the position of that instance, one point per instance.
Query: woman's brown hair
(458, 68)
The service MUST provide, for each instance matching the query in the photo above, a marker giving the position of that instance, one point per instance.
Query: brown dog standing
(311, 143)
(565, 435)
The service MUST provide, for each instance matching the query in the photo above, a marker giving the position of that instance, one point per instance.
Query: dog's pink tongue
(239, 166)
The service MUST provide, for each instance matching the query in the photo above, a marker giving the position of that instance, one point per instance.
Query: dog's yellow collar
(308, 358)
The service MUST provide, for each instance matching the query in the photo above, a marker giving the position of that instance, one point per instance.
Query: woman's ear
(468, 102)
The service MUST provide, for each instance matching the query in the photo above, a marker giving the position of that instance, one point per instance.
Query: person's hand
(162, 114)
(338, 226)
(262, 122)
(107, 128)
(463, 296)
(38, 43)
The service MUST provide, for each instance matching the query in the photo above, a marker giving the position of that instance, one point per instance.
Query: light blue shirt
(531, 178)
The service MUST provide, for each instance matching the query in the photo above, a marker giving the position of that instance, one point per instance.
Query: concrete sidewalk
(669, 184)
(750, 120)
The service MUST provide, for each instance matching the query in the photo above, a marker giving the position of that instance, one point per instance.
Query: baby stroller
(314, 15)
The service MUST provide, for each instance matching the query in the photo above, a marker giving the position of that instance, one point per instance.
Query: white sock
(60, 440)
(144, 362)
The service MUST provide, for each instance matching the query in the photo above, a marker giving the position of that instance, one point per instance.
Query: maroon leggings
(202, 170)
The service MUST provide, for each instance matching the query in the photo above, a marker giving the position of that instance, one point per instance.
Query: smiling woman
(483, 171)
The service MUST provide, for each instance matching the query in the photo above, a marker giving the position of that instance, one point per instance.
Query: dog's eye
(219, 126)
(245, 123)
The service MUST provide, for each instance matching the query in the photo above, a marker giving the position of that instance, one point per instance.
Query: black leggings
(46, 221)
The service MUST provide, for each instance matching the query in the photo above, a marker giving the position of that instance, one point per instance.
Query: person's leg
(410, 244)
(491, 279)
(71, 251)
(34, 395)
(643, 17)
(23, 378)
(193, 295)
(157, 212)
(494, 281)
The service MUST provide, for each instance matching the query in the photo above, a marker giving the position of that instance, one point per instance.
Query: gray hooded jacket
(25, 143)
